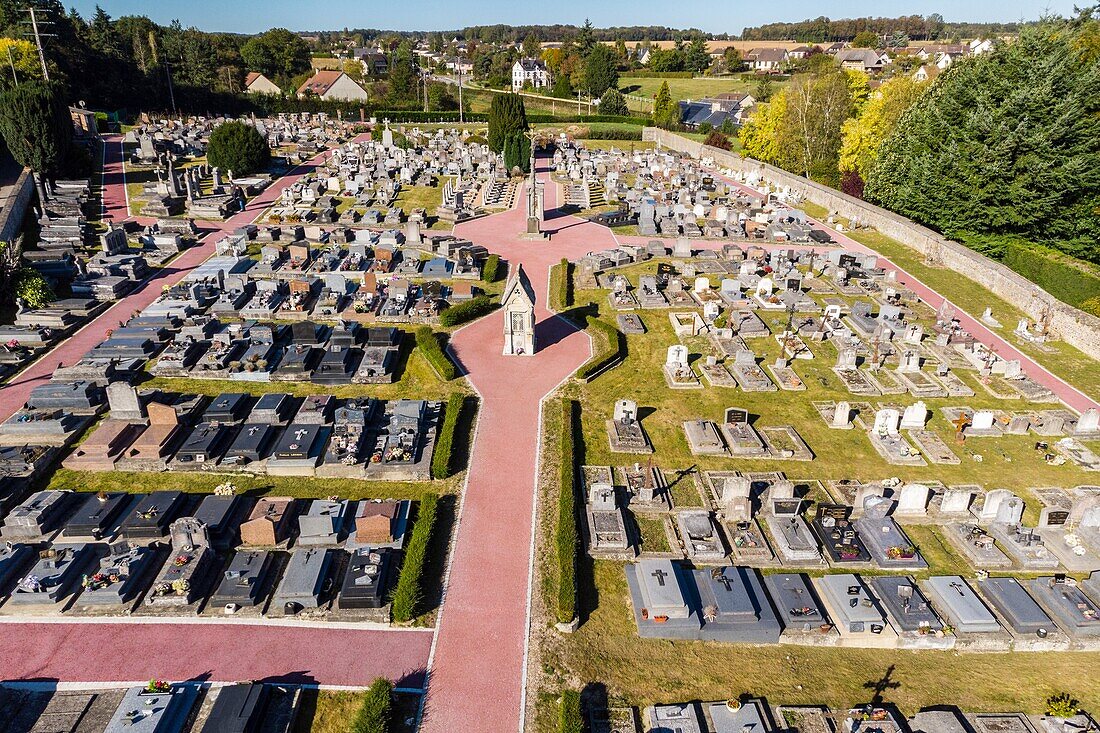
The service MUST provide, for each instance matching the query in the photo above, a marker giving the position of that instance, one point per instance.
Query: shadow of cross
(881, 685)
(660, 575)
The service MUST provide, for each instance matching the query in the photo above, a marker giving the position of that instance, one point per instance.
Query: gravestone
(736, 498)
(913, 499)
(914, 416)
(124, 403)
(842, 415)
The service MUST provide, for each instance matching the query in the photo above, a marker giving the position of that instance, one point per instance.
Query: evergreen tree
(238, 147)
(35, 125)
(666, 113)
(1006, 143)
(613, 103)
(600, 72)
(517, 151)
(506, 116)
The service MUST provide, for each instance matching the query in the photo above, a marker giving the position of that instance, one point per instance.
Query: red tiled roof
(321, 82)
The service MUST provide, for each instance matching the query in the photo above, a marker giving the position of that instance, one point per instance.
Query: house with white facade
(257, 83)
(530, 71)
(332, 84)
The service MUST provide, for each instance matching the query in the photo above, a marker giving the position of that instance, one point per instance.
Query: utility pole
(461, 118)
(38, 41)
(14, 76)
(171, 92)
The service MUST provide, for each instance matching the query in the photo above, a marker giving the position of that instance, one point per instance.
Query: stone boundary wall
(15, 207)
(1077, 328)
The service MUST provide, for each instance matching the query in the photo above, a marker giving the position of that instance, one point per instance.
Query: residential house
(801, 52)
(257, 83)
(926, 72)
(767, 60)
(458, 65)
(866, 60)
(981, 45)
(374, 61)
(834, 48)
(532, 72)
(716, 110)
(332, 84)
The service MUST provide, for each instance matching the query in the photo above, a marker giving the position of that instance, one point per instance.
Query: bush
(566, 537)
(1068, 281)
(1062, 705)
(610, 348)
(468, 311)
(717, 140)
(490, 271)
(375, 712)
(562, 296)
(613, 103)
(235, 146)
(657, 75)
(408, 594)
(570, 719)
(611, 133)
(443, 455)
(705, 128)
(430, 347)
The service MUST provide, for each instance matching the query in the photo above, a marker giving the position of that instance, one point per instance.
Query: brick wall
(1077, 328)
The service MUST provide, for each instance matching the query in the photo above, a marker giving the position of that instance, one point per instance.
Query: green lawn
(696, 88)
(637, 671)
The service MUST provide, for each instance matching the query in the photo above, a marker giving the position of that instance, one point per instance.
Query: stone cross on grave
(660, 575)
(299, 434)
(721, 579)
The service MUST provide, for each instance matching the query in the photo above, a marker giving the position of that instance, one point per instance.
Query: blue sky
(715, 16)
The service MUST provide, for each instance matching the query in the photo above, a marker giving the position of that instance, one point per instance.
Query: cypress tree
(35, 124)
(506, 115)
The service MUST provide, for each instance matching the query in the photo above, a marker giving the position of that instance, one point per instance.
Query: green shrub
(1062, 705)
(566, 537)
(609, 348)
(430, 347)
(468, 311)
(444, 442)
(562, 288)
(376, 711)
(611, 133)
(656, 75)
(408, 594)
(490, 271)
(570, 719)
(237, 147)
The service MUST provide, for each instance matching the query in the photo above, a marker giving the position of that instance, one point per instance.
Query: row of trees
(925, 28)
(1006, 144)
(800, 129)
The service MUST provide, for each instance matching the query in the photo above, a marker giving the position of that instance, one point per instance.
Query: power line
(38, 39)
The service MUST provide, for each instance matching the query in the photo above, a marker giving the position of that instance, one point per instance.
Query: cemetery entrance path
(477, 672)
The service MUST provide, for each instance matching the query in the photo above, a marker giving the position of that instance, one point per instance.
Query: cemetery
(796, 454)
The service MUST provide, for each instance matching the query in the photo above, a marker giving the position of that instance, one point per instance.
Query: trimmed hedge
(412, 115)
(468, 311)
(562, 296)
(570, 719)
(443, 455)
(433, 352)
(408, 594)
(377, 709)
(612, 134)
(490, 271)
(609, 351)
(566, 538)
(656, 75)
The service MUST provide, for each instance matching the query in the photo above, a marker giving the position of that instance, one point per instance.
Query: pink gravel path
(129, 652)
(477, 673)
